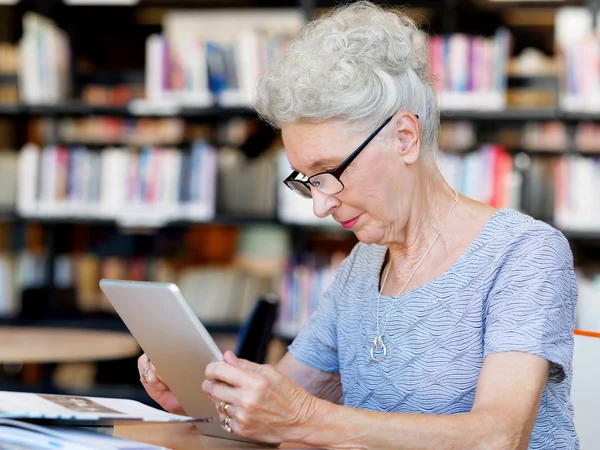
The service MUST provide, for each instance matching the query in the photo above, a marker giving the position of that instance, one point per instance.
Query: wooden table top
(59, 345)
(183, 436)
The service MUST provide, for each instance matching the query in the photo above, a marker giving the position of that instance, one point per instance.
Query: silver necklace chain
(378, 349)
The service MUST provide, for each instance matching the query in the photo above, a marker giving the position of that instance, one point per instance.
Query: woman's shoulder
(517, 229)
(520, 238)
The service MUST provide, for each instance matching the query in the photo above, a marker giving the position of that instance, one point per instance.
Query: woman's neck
(432, 205)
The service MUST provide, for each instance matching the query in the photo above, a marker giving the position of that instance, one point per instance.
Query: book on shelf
(576, 205)
(111, 130)
(538, 187)
(19, 270)
(29, 268)
(577, 42)
(9, 66)
(548, 136)
(9, 94)
(587, 138)
(535, 80)
(176, 72)
(7, 240)
(457, 136)
(214, 56)
(247, 187)
(119, 95)
(218, 293)
(87, 272)
(263, 250)
(581, 85)
(8, 180)
(149, 187)
(534, 184)
(470, 72)
(486, 175)
(9, 58)
(221, 269)
(8, 294)
(44, 70)
(302, 285)
(551, 136)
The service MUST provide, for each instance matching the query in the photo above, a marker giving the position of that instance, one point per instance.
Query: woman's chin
(368, 236)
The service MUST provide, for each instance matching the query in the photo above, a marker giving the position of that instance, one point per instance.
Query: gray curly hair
(359, 63)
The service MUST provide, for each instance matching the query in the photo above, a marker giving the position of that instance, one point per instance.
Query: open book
(15, 435)
(81, 410)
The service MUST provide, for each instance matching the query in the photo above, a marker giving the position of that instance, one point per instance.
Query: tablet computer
(173, 337)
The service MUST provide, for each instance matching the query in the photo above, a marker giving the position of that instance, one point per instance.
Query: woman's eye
(316, 183)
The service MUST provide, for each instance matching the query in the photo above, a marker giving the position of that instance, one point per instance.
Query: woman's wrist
(312, 431)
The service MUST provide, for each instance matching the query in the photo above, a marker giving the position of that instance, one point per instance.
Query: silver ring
(145, 373)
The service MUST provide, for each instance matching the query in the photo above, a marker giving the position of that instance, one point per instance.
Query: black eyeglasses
(329, 182)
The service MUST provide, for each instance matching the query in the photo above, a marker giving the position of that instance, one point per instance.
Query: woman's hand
(263, 404)
(156, 387)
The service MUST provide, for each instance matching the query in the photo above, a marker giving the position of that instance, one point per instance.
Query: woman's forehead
(312, 146)
(330, 135)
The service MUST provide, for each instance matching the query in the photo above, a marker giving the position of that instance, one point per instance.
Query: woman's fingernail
(204, 384)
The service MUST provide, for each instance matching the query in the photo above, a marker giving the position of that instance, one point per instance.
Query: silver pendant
(378, 350)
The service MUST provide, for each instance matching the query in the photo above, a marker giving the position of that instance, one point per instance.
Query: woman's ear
(408, 137)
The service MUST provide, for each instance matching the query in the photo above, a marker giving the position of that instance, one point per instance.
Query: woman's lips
(350, 223)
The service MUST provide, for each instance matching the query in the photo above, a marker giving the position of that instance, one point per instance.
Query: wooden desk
(23, 345)
(182, 437)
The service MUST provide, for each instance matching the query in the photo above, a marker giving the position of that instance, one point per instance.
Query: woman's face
(372, 203)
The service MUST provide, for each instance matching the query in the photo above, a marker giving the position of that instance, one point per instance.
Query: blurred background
(128, 150)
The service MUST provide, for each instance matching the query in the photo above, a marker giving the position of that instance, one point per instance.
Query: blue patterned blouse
(514, 288)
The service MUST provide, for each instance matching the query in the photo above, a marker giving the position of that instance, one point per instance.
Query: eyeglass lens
(299, 188)
(326, 183)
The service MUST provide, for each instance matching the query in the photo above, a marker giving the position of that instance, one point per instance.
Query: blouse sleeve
(532, 305)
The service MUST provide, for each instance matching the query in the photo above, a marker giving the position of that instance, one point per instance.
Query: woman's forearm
(335, 426)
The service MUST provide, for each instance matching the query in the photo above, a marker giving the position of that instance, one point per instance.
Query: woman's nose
(323, 204)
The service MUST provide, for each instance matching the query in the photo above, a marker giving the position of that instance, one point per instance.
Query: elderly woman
(450, 324)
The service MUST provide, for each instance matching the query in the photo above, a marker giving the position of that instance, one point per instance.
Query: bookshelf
(76, 108)
(12, 110)
(146, 19)
(574, 235)
(102, 322)
(505, 116)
